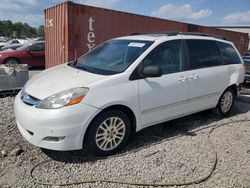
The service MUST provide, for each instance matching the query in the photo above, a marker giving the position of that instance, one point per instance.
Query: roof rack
(174, 33)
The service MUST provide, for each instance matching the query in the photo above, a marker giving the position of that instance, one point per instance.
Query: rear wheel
(108, 132)
(226, 101)
(11, 62)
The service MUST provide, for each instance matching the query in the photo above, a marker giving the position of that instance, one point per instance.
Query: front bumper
(69, 122)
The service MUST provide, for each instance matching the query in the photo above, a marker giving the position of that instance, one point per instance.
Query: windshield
(112, 57)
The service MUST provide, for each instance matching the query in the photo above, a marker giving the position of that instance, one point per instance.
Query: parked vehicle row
(32, 53)
(13, 41)
(248, 53)
(12, 44)
(125, 85)
(10, 47)
(3, 39)
(246, 59)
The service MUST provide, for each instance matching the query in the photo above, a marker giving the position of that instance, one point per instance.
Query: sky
(202, 12)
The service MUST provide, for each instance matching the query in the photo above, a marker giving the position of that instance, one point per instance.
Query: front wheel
(11, 62)
(225, 103)
(108, 132)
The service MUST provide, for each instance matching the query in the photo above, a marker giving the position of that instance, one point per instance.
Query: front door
(164, 97)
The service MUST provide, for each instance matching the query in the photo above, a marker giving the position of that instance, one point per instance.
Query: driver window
(37, 48)
(168, 56)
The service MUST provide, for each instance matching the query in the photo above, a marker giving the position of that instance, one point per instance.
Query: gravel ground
(174, 152)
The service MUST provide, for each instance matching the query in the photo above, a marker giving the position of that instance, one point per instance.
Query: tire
(108, 133)
(226, 102)
(12, 62)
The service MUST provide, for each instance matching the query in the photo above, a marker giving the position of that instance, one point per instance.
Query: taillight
(245, 67)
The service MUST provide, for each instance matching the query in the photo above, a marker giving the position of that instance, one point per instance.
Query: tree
(21, 29)
(8, 27)
(18, 27)
(40, 31)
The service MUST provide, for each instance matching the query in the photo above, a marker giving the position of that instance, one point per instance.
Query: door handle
(183, 79)
(194, 76)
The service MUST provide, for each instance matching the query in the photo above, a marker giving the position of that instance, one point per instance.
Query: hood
(7, 52)
(58, 79)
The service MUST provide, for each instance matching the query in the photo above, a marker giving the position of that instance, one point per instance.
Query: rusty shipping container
(73, 29)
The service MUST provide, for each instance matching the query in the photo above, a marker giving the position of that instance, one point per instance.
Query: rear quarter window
(228, 53)
(202, 53)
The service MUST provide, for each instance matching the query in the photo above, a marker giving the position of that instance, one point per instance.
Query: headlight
(64, 98)
(1, 55)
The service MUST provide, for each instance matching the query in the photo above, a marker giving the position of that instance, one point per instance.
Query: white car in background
(3, 39)
(13, 41)
(125, 85)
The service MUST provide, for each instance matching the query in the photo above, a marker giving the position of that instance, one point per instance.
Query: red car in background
(32, 54)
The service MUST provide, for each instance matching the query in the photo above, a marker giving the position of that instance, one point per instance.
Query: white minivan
(125, 85)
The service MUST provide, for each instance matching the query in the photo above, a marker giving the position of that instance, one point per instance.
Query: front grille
(28, 99)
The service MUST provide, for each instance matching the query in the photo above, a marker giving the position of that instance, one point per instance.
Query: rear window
(229, 55)
(203, 53)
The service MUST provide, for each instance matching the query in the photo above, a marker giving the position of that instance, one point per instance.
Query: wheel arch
(123, 108)
(234, 88)
(4, 61)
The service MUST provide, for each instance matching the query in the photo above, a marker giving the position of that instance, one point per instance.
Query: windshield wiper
(85, 68)
(75, 62)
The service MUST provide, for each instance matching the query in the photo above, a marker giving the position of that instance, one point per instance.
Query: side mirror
(28, 50)
(152, 71)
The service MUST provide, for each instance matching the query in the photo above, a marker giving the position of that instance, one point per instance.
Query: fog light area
(53, 139)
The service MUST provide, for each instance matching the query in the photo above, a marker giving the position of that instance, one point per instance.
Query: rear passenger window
(229, 55)
(203, 53)
(168, 56)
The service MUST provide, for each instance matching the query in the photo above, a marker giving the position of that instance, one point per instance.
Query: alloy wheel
(226, 101)
(110, 133)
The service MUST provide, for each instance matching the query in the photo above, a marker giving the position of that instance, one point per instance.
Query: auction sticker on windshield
(135, 44)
